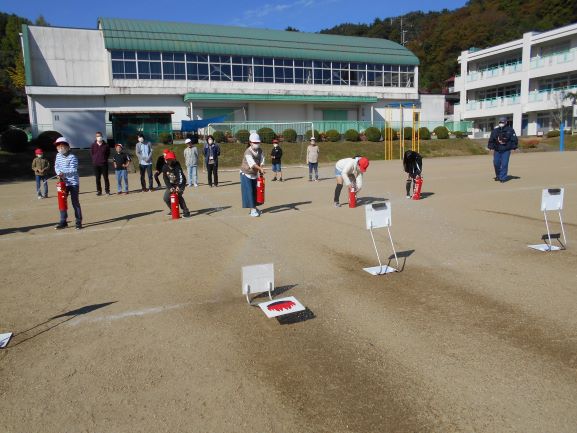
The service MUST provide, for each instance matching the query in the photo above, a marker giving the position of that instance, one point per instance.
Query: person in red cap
(40, 166)
(276, 155)
(160, 161)
(350, 171)
(175, 181)
(121, 160)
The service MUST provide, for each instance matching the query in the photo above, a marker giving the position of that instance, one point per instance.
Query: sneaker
(78, 226)
(310, 179)
(99, 193)
(274, 179)
(337, 204)
(196, 185)
(125, 192)
(186, 214)
(408, 196)
(61, 226)
(280, 180)
(317, 179)
(39, 197)
(119, 193)
(254, 213)
(144, 190)
(108, 193)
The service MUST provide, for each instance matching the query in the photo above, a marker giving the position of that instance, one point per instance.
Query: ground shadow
(301, 316)
(47, 325)
(401, 255)
(291, 178)
(426, 195)
(508, 178)
(25, 229)
(285, 207)
(556, 236)
(361, 201)
(277, 291)
(223, 184)
(320, 179)
(209, 210)
(122, 218)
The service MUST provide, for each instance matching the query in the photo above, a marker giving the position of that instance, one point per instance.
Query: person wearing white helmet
(66, 168)
(251, 166)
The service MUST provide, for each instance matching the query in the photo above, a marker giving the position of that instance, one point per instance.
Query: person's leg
(74, 195)
(189, 173)
(125, 176)
(183, 206)
(248, 194)
(496, 163)
(316, 167)
(38, 179)
(338, 189)
(166, 197)
(149, 173)
(195, 175)
(97, 175)
(504, 167)
(209, 169)
(156, 175)
(280, 172)
(45, 182)
(142, 169)
(408, 184)
(310, 171)
(118, 181)
(215, 173)
(106, 180)
(274, 170)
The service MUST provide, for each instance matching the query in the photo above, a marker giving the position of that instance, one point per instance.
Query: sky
(305, 15)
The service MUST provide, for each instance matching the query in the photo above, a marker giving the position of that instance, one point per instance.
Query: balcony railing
(501, 101)
(558, 58)
(551, 94)
(498, 71)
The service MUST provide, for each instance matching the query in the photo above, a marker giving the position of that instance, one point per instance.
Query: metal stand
(548, 246)
(247, 293)
(380, 270)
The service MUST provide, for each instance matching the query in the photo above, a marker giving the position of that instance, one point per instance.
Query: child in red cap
(40, 166)
(175, 181)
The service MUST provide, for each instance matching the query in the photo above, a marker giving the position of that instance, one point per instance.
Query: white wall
(67, 57)
(432, 108)
(279, 112)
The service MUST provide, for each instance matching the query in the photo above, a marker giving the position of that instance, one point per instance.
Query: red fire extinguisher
(174, 205)
(62, 195)
(260, 190)
(418, 186)
(352, 197)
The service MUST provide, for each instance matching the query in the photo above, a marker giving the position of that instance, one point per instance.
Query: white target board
(4, 339)
(281, 307)
(552, 199)
(378, 215)
(257, 279)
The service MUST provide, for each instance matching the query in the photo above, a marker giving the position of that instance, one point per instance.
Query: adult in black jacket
(175, 181)
(501, 142)
(211, 153)
(413, 165)
(276, 156)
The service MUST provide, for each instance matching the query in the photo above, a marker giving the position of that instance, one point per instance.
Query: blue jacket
(503, 139)
(215, 153)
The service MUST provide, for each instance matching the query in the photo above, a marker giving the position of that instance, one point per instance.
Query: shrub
(46, 139)
(333, 135)
(441, 132)
(165, 137)
(352, 135)
(267, 135)
(424, 133)
(289, 135)
(373, 134)
(308, 134)
(14, 140)
(553, 133)
(219, 137)
(242, 136)
(530, 143)
(407, 133)
(387, 133)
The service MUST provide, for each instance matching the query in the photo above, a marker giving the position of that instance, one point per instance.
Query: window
(358, 74)
(123, 64)
(149, 67)
(406, 75)
(220, 68)
(303, 71)
(173, 66)
(322, 73)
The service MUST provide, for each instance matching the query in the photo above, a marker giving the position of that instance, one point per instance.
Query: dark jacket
(413, 163)
(503, 139)
(276, 155)
(100, 154)
(174, 176)
(160, 163)
(120, 159)
(215, 153)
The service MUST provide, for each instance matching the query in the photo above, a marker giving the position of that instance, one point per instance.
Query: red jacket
(100, 154)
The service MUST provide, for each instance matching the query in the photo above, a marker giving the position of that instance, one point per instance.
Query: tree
(291, 29)
(41, 21)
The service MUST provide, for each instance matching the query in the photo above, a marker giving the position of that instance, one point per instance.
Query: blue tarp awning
(193, 125)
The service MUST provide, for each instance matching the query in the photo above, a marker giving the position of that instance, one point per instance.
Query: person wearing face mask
(40, 166)
(276, 156)
(144, 154)
(250, 168)
(175, 181)
(211, 153)
(191, 161)
(501, 142)
(100, 153)
(66, 168)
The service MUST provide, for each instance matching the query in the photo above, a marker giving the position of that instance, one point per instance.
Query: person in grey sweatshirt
(191, 161)
(144, 154)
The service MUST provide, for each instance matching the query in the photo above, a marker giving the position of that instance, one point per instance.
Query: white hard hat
(254, 138)
(63, 140)
(188, 140)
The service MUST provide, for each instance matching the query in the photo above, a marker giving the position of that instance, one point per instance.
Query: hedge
(408, 133)
(308, 134)
(424, 133)
(373, 134)
(553, 133)
(242, 136)
(441, 132)
(289, 135)
(218, 136)
(333, 135)
(352, 135)
(387, 133)
(14, 140)
(267, 135)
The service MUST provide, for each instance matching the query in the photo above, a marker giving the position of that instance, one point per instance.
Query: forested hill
(438, 38)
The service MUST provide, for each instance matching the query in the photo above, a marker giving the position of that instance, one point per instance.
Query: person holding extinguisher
(350, 171)
(250, 168)
(175, 182)
(413, 165)
(66, 168)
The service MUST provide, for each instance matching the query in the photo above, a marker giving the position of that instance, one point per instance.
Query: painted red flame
(281, 306)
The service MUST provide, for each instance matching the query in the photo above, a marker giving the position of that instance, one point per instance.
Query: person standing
(276, 156)
(144, 154)
(100, 153)
(191, 161)
(501, 142)
(175, 181)
(313, 159)
(211, 152)
(121, 161)
(66, 168)
(40, 166)
(413, 165)
(250, 167)
(160, 161)
(350, 171)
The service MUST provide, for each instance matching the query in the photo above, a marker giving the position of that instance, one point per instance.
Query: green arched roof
(143, 35)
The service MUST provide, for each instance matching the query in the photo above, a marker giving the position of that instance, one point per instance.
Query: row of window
(497, 92)
(146, 65)
(558, 82)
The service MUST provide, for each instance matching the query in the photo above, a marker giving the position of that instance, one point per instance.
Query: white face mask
(501, 125)
(62, 151)
(210, 141)
(255, 146)
(99, 139)
(276, 145)
(140, 140)
(40, 156)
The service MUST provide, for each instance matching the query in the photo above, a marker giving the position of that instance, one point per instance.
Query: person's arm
(492, 140)
(253, 164)
(106, 151)
(181, 179)
(217, 150)
(138, 151)
(165, 177)
(514, 140)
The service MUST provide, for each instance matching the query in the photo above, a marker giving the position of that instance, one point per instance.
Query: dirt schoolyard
(137, 322)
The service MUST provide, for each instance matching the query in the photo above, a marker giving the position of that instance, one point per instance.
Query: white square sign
(4, 339)
(257, 278)
(552, 199)
(281, 306)
(378, 215)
